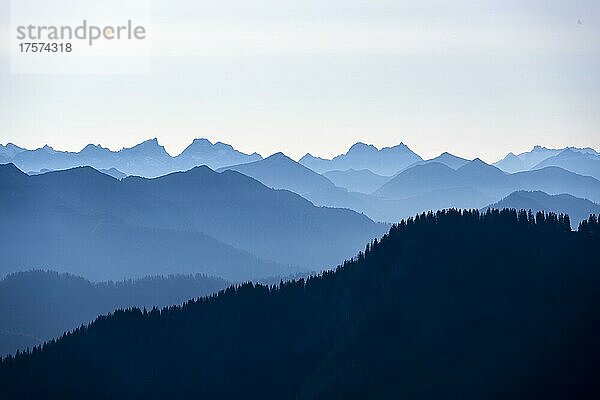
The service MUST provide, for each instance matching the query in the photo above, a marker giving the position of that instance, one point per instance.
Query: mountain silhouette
(387, 161)
(276, 225)
(487, 180)
(574, 161)
(148, 158)
(525, 161)
(390, 210)
(281, 172)
(578, 209)
(217, 155)
(450, 160)
(10, 150)
(223, 224)
(419, 180)
(362, 181)
(36, 306)
(87, 223)
(451, 304)
(115, 173)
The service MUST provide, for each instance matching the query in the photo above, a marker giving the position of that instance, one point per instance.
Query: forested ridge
(38, 305)
(453, 304)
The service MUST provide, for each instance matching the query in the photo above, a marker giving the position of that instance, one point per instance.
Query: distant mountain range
(10, 150)
(147, 159)
(427, 185)
(449, 160)
(281, 172)
(385, 161)
(115, 173)
(222, 224)
(433, 185)
(581, 163)
(217, 155)
(384, 184)
(534, 158)
(362, 181)
(488, 180)
(36, 306)
(577, 209)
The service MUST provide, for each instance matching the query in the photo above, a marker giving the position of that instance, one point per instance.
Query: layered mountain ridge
(222, 224)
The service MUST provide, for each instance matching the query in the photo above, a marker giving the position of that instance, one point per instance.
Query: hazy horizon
(477, 79)
(296, 157)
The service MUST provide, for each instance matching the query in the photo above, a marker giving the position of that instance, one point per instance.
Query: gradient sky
(476, 78)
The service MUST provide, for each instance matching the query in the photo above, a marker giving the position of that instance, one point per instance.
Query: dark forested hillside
(457, 305)
(38, 305)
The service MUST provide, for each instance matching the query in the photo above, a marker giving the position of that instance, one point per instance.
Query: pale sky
(476, 78)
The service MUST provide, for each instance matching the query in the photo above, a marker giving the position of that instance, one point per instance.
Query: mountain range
(431, 185)
(449, 160)
(361, 181)
(498, 301)
(452, 304)
(150, 159)
(222, 224)
(147, 159)
(281, 172)
(385, 161)
(115, 173)
(581, 163)
(410, 185)
(534, 158)
(488, 180)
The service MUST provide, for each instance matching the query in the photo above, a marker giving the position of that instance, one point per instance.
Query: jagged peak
(401, 146)
(446, 155)
(10, 145)
(153, 142)
(360, 146)
(202, 141)
(150, 144)
(476, 163)
(309, 156)
(92, 147)
(198, 169)
(279, 154)
(278, 157)
(538, 147)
